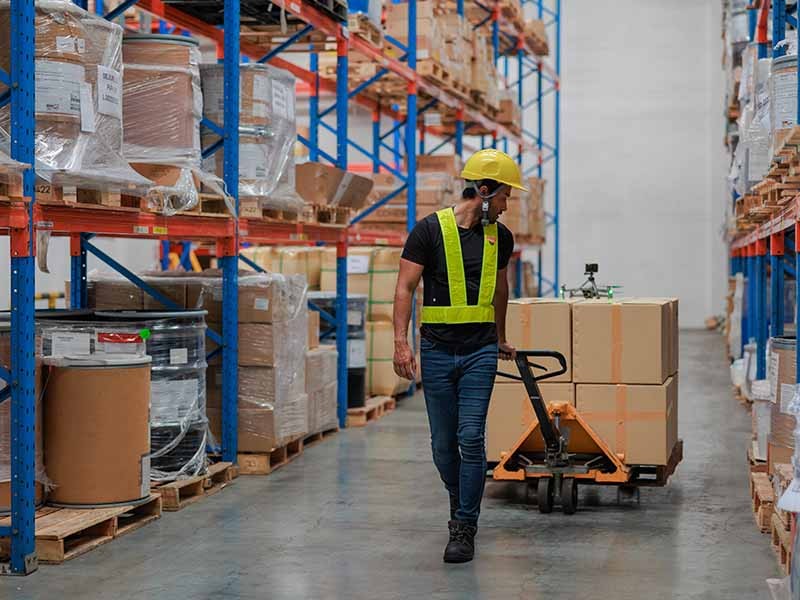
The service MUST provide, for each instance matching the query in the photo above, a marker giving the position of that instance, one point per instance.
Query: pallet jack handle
(550, 433)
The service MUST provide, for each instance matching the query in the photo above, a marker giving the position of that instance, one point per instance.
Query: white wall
(643, 164)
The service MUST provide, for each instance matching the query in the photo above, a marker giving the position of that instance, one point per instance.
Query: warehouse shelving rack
(771, 245)
(81, 225)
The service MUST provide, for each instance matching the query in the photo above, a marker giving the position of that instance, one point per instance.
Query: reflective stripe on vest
(459, 311)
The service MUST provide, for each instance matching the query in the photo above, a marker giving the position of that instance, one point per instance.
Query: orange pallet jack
(560, 449)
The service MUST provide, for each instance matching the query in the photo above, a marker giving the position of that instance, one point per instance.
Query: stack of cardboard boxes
(622, 365)
(321, 380)
(289, 260)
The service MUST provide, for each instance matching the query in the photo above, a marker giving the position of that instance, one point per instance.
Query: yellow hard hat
(493, 164)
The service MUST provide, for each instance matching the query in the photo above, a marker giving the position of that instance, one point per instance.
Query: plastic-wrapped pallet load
(267, 132)
(322, 388)
(163, 106)
(371, 271)
(299, 260)
(79, 98)
(5, 428)
(273, 328)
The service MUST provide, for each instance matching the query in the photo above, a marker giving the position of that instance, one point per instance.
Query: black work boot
(461, 547)
(453, 506)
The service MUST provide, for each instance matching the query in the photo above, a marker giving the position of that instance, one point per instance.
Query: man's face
(498, 203)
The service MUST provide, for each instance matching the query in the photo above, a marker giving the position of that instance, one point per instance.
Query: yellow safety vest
(459, 311)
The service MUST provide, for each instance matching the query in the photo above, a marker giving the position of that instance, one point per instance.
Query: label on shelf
(356, 354)
(87, 108)
(357, 265)
(159, 230)
(66, 343)
(141, 229)
(109, 92)
(178, 356)
(58, 89)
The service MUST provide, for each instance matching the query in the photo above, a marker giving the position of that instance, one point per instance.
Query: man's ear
(484, 191)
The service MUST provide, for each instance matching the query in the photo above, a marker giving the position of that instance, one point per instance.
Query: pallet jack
(560, 449)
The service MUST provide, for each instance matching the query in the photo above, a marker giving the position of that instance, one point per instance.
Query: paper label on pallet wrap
(282, 101)
(80, 44)
(109, 92)
(772, 376)
(356, 354)
(87, 109)
(784, 99)
(787, 395)
(65, 43)
(172, 400)
(354, 317)
(261, 304)
(178, 356)
(357, 264)
(252, 161)
(68, 343)
(58, 89)
(145, 475)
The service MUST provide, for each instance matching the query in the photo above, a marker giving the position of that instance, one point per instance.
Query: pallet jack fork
(559, 448)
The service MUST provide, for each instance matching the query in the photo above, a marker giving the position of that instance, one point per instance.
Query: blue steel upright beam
(797, 303)
(778, 27)
(776, 250)
(313, 110)
(557, 162)
(761, 308)
(459, 139)
(341, 245)
(376, 140)
(411, 157)
(78, 283)
(23, 281)
(228, 252)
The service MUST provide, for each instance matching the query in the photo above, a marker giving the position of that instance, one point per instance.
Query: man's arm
(507, 351)
(407, 282)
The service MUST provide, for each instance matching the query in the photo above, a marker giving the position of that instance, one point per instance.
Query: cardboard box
(321, 366)
(256, 345)
(174, 290)
(637, 421)
(450, 164)
(256, 431)
(777, 454)
(322, 407)
(511, 412)
(323, 184)
(370, 271)
(542, 324)
(313, 329)
(625, 341)
(112, 294)
(381, 378)
(255, 302)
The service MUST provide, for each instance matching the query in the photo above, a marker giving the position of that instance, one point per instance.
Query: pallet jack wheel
(545, 495)
(569, 495)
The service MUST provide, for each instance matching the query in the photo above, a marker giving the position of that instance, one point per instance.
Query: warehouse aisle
(364, 516)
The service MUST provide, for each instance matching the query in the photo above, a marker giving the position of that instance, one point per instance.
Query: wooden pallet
(374, 409)
(763, 500)
(266, 462)
(64, 533)
(334, 8)
(315, 438)
(177, 495)
(360, 25)
(433, 71)
(782, 543)
(322, 213)
(113, 198)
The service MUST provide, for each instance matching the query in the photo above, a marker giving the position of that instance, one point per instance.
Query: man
(461, 253)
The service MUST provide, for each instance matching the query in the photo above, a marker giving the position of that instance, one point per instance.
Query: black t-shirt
(425, 246)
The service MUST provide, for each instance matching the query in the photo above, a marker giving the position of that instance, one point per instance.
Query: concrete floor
(363, 515)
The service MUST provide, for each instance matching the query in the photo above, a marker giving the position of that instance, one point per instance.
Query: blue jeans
(457, 391)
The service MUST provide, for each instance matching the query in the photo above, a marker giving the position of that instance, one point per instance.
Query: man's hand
(405, 364)
(506, 351)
